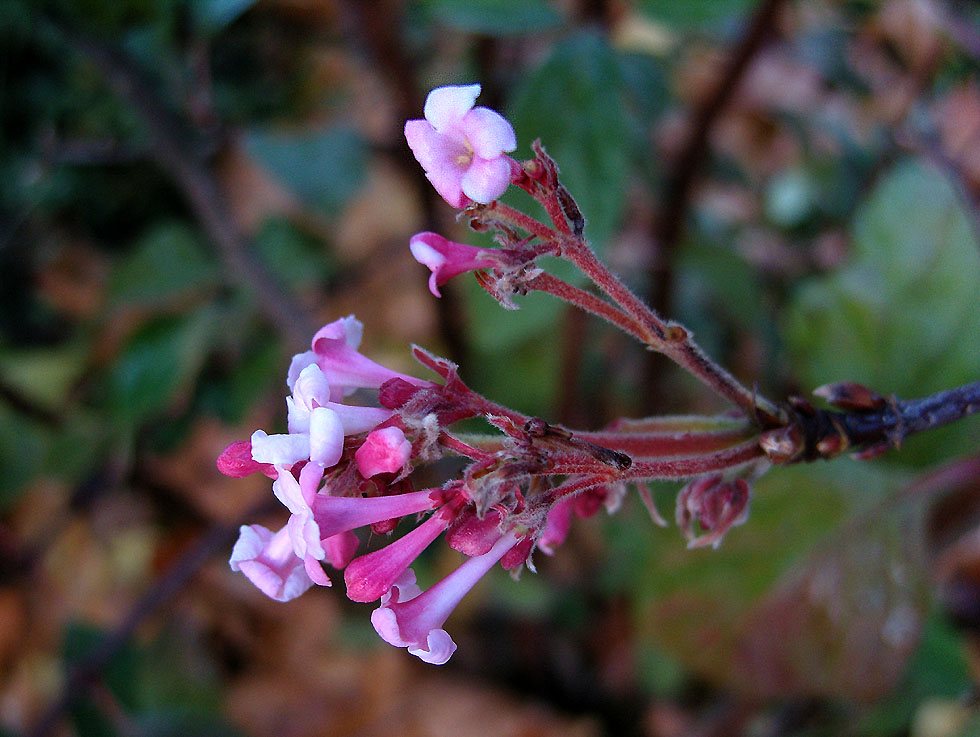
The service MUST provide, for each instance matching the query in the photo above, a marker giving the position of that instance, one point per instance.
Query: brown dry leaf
(191, 473)
(958, 119)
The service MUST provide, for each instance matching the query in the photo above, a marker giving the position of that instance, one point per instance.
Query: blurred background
(191, 187)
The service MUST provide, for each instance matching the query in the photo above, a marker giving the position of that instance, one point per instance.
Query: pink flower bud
(715, 505)
(446, 258)
(384, 451)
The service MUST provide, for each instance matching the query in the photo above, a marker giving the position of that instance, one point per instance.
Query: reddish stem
(586, 301)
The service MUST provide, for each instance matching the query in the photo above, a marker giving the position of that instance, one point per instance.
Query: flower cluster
(341, 467)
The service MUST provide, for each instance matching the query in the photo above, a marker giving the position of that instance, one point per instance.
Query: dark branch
(821, 434)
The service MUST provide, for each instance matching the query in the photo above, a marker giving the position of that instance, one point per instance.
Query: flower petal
(280, 449)
(489, 133)
(486, 179)
(445, 106)
(326, 437)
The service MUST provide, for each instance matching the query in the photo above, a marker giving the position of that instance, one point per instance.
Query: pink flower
(371, 575)
(462, 148)
(317, 426)
(384, 451)
(336, 514)
(268, 561)
(344, 369)
(409, 618)
(716, 505)
(446, 258)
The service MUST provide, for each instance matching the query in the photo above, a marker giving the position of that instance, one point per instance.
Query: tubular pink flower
(371, 575)
(407, 618)
(446, 258)
(344, 369)
(268, 561)
(336, 514)
(383, 451)
(462, 148)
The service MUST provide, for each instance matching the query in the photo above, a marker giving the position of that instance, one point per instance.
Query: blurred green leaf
(297, 259)
(689, 603)
(44, 376)
(687, 15)
(166, 265)
(495, 17)
(902, 316)
(323, 167)
(214, 15)
(158, 361)
(575, 103)
(23, 442)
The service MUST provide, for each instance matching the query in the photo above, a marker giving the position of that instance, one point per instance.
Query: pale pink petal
(280, 449)
(486, 179)
(439, 648)
(356, 419)
(326, 439)
(348, 330)
(300, 361)
(433, 150)
(445, 106)
(311, 388)
(489, 133)
(315, 571)
(383, 451)
(269, 562)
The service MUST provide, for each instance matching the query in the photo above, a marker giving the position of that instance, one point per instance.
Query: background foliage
(191, 187)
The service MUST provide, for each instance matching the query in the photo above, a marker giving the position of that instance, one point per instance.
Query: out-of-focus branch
(174, 147)
(680, 180)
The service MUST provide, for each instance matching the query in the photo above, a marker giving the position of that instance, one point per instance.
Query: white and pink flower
(462, 148)
(410, 618)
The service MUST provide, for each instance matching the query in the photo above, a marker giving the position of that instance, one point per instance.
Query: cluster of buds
(342, 467)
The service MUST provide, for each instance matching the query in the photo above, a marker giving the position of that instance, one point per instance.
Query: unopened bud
(783, 444)
(850, 396)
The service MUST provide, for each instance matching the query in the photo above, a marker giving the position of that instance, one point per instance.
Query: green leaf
(687, 15)
(575, 102)
(158, 362)
(323, 167)
(22, 442)
(297, 259)
(690, 603)
(495, 17)
(902, 316)
(44, 376)
(167, 264)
